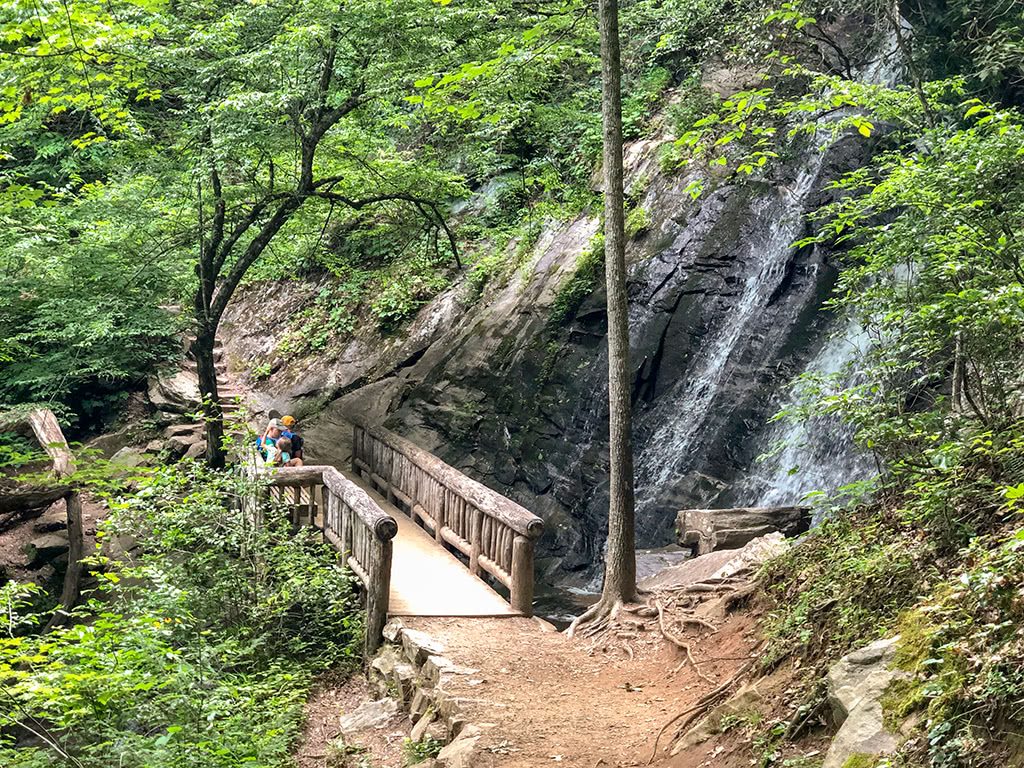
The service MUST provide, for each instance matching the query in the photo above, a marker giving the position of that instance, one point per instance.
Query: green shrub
(420, 751)
(638, 221)
(197, 654)
(963, 647)
(586, 276)
(403, 289)
(844, 585)
(693, 102)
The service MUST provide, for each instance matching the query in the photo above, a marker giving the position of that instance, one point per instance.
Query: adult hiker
(288, 430)
(269, 438)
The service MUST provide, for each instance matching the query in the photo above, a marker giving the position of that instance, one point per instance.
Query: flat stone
(419, 646)
(182, 429)
(856, 684)
(369, 714)
(46, 548)
(437, 666)
(459, 754)
(154, 446)
(55, 518)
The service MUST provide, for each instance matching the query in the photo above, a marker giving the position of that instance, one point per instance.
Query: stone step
(220, 366)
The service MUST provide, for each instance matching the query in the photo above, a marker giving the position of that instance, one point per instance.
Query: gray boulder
(369, 715)
(112, 442)
(177, 392)
(179, 445)
(725, 563)
(129, 457)
(856, 684)
(195, 451)
(46, 548)
(705, 530)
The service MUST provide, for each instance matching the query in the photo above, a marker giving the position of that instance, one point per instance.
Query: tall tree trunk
(620, 550)
(206, 367)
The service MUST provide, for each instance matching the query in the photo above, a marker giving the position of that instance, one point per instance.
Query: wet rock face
(724, 311)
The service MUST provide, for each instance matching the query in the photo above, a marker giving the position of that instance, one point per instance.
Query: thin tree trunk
(620, 554)
(206, 367)
(76, 550)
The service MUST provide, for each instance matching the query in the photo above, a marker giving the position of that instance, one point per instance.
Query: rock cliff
(724, 311)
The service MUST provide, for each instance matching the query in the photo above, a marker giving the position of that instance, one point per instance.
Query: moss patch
(861, 760)
(586, 276)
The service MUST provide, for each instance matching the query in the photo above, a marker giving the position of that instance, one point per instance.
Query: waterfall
(664, 455)
(816, 454)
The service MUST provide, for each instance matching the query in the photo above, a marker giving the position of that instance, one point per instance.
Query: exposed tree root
(595, 619)
(679, 643)
(700, 708)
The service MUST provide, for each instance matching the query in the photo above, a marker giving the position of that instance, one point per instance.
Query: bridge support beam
(522, 575)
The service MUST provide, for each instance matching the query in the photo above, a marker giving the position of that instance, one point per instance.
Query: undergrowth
(198, 650)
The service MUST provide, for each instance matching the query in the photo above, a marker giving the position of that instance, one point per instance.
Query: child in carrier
(280, 453)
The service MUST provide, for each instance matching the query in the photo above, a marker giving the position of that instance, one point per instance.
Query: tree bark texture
(206, 368)
(620, 554)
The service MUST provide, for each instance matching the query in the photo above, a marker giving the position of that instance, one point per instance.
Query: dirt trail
(542, 699)
(578, 702)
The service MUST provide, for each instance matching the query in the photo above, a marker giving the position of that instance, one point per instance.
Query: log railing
(48, 434)
(352, 522)
(495, 533)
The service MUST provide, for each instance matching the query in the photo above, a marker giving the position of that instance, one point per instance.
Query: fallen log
(708, 530)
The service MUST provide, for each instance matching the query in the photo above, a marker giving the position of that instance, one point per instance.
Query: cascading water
(816, 454)
(665, 454)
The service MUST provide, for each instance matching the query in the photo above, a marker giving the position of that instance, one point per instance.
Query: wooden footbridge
(422, 538)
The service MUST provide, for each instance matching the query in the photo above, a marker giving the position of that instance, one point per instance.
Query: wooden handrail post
(522, 575)
(439, 517)
(475, 542)
(378, 593)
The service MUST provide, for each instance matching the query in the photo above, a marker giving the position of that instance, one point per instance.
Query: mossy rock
(861, 760)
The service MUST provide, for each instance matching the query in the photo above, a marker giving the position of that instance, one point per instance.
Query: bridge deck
(426, 579)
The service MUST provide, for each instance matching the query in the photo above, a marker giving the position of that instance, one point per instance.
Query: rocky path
(526, 696)
(540, 698)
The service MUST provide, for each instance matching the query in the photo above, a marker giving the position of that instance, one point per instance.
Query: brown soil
(543, 699)
(332, 697)
(13, 562)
